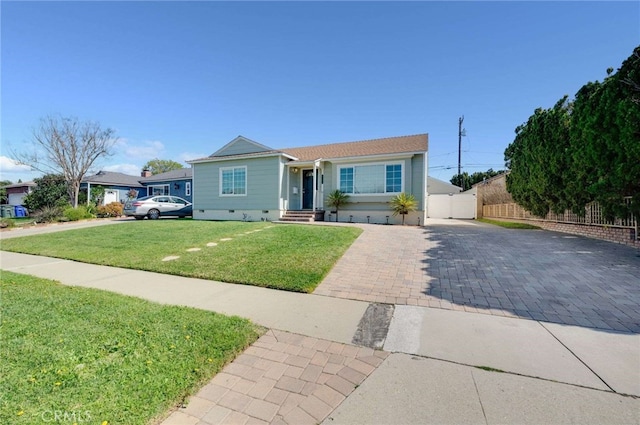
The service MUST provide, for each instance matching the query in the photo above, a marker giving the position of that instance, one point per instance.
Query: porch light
(294, 169)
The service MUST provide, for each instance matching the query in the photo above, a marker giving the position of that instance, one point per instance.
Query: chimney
(146, 173)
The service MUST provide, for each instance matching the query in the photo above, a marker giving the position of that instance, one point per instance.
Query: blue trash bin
(20, 211)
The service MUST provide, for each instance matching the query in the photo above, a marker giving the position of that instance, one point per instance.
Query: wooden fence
(593, 216)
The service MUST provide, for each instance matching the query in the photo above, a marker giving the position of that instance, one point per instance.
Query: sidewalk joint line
(577, 357)
(517, 374)
(475, 384)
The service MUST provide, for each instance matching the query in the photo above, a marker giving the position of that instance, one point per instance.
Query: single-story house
(175, 183)
(17, 191)
(119, 186)
(246, 180)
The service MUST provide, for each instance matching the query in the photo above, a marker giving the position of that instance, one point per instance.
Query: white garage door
(459, 205)
(110, 196)
(16, 198)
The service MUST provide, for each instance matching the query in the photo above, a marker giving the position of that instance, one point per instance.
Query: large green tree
(466, 181)
(157, 166)
(3, 191)
(538, 160)
(583, 150)
(605, 140)
(50, 191)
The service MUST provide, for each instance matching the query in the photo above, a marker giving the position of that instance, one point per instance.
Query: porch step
(303, 216)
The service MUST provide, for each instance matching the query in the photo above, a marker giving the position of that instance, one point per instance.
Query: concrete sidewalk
(552, 373)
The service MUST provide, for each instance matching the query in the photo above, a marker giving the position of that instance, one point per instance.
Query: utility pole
(460, 120)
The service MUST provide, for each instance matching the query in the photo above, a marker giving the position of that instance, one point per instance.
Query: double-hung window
(371, 179)
(233, 181)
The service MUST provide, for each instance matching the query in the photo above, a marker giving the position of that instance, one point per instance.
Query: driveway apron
(477, 267)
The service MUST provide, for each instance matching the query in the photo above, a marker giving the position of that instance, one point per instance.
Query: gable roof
(179, 174)
(112, 178)
(241, 145)
(385, 146)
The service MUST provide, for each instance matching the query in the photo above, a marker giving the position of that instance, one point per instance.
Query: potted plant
(402, 204)
(337, 199)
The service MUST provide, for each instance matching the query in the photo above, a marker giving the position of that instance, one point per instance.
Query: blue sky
(177, 80)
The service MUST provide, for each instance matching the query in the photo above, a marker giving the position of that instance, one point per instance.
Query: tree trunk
(75, 189)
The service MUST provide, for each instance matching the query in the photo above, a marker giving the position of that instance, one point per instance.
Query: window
(394, 178)
(162, 189)
(180, 201)
(187, 189)
(371, 179)
(233, 181)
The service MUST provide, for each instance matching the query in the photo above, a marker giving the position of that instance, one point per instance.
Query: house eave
(240, 157)
(347, 159)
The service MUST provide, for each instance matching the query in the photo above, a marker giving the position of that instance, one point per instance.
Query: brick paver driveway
(473, 266)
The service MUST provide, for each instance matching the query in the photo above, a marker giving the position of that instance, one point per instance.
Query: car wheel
(138, 217)
(154, 214)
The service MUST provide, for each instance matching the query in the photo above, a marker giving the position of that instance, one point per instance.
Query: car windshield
(144, 198)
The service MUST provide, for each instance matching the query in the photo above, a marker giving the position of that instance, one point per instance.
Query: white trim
(378, 157)
(150, 190)
(187, 188)
(246, 181)
(403, 166)
(193, 179)
(242, 139)
(240, 157)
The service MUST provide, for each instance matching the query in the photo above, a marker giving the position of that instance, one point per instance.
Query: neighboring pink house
(16, 192)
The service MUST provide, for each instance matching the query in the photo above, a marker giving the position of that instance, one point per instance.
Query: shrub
(403, 204)
(75, 214)
(114, 209)
(47, 214)
(7, 223)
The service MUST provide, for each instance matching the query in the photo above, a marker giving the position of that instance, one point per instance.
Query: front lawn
(508, 224)
(76, 355)
(290, 257)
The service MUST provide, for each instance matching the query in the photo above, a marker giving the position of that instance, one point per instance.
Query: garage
(453, 205)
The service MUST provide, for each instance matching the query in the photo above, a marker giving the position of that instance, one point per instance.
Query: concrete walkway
(438, 365)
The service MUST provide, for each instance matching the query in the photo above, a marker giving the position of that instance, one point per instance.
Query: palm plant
(402, 204)
(337, 199)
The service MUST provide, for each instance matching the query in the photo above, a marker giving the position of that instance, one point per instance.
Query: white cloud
(187, 156)
(146, 150)
(131, 169)
(8, 165)
(12, 171)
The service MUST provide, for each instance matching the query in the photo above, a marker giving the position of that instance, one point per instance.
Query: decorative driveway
(472, 266)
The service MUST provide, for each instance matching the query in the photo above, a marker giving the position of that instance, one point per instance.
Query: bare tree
(68, 146)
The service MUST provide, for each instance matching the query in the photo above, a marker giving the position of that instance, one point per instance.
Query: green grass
(289, 257)
(102, 356)
(508, 224)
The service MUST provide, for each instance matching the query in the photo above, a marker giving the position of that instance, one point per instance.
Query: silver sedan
(157, 206)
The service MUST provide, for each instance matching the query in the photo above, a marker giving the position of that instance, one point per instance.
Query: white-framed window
(233, 181)
(187, 189)
(159, 189)
(371, 179)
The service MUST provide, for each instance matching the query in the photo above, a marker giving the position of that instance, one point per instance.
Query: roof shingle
(388, 145)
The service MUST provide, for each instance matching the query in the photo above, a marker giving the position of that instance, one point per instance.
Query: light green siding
(413, 169)
(240, 146)
(418, 177)
(262, 185)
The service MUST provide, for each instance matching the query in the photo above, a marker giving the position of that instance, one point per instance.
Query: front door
(307, 189)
